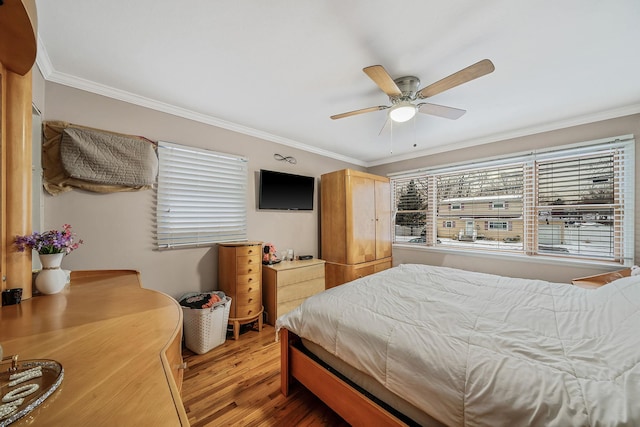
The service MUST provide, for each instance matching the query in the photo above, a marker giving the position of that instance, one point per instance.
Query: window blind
(486, 204)
(200, 197)
(412, 201)
(581, 203)
(575, 201)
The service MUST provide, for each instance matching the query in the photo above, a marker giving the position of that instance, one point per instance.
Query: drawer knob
(250, 299)
(250, 289)
(250, 270)
(250, 279)
(250, 251)
(250, 261)
(182, 365)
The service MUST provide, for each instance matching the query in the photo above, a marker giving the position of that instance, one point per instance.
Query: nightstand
(593, 282)
(287, 284)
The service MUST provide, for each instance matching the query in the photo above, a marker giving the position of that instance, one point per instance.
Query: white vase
(51, 279)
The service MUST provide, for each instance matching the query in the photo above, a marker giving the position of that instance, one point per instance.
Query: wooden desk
(119, 345)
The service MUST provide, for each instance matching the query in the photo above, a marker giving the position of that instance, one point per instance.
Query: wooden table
(119, 345)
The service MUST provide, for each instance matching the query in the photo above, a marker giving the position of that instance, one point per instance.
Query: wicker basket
(205, 329)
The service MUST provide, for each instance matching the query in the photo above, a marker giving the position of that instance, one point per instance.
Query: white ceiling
(278, 69)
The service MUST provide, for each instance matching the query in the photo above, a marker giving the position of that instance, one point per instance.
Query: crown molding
(532, 130)
(51, 75)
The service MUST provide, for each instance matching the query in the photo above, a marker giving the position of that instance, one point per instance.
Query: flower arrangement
(269, 253)
(49, 242)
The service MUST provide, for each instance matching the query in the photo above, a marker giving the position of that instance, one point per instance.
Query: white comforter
(479, 349)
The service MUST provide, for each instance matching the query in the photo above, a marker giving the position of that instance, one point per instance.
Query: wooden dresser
(240, 277)
(287, 284)
(119, 346)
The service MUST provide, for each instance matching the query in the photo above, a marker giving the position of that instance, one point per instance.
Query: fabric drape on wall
(58, 180)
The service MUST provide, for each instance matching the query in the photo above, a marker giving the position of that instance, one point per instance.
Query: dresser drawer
(248, 294)
(248, 264)
(286, 306)
(247, 310)
(254, 250)
(246, 280)
(296, 275)
(301, 290)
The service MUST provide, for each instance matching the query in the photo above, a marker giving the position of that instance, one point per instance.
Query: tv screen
(279, 190)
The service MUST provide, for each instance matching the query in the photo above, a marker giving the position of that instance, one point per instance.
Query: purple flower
(49, 242)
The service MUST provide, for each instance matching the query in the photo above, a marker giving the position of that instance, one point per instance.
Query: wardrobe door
(383, 219)
(361, 217)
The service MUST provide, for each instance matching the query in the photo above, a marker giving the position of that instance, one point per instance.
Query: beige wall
(118, 228)
(513, 266)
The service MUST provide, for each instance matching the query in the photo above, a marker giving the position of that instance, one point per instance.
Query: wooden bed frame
(353, 406)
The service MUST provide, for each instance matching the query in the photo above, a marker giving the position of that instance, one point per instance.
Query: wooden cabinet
(356, 224)
(240, 278)
(287, 284)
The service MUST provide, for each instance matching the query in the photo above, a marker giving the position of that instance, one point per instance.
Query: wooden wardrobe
(355, 225)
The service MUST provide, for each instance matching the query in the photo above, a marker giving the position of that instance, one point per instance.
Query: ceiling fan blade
(441, 111)
(356, 112)
(465, 75)
(379, 75)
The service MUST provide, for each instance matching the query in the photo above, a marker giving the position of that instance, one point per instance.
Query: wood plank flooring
(238, 384)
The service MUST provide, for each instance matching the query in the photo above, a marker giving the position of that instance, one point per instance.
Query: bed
(453, 347)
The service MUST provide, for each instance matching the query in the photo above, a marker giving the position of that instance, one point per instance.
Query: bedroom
(118, 232)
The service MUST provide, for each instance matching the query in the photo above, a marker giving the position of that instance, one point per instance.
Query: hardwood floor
(238, 384)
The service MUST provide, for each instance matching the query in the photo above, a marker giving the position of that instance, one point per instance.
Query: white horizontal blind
(411, 197)
(581, 202)
(201, 197)
(482, 207)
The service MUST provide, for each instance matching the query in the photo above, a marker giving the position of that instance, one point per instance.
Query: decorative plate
(11, 385)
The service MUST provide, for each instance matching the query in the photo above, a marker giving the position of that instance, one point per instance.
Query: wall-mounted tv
(279, 190)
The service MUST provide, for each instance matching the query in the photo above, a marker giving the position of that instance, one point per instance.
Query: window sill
(540, 259)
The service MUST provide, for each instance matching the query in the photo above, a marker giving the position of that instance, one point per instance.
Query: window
(497, 225)
(411, 202)
(201, 197)
(575, 202)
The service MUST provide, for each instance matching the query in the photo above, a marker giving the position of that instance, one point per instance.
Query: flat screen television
(285, 191)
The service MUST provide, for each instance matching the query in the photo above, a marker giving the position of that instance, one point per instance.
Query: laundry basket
(205, 328)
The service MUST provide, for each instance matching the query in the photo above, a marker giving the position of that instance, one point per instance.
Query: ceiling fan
(404, 91)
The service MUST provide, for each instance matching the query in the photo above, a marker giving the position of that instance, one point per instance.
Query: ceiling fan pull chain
(391, 138)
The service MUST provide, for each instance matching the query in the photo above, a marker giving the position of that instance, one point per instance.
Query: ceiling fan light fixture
(402, 112)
